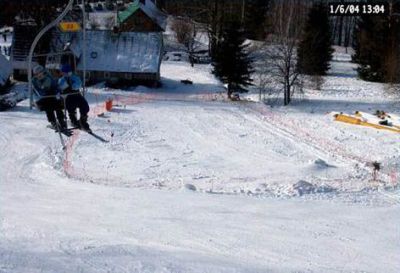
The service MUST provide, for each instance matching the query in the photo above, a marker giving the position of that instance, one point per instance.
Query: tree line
(39, 10)
(298, 36)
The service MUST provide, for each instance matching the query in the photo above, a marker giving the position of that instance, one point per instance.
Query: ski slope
(190, 182)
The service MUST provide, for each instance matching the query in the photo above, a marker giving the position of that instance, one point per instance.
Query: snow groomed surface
(191, 182)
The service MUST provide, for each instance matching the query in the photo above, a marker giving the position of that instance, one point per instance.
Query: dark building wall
(139, 21)
(104, 76)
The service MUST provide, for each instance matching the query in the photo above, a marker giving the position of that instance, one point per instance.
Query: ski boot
(84, 125)
(74, 122)
(57, 126)
(63, 125)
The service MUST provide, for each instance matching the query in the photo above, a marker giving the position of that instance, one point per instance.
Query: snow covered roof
(132, 52)
(5, 70)
(107, 19)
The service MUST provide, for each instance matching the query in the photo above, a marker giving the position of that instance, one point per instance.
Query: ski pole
(59, 133)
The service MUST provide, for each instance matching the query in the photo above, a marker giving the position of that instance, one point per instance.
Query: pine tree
(376, 40)
(255, 18)
(232, 63)
(370, 38)
(315, 49)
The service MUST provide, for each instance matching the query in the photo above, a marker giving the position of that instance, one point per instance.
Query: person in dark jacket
(45, 88)
(70, 85)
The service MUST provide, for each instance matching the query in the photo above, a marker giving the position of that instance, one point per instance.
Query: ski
(90, 132)
(66, 132)
(70, 131)
(97, 136)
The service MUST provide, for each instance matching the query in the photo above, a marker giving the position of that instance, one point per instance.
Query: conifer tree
(232, 64)
(376, 51)
(255, 18)
(315, 49)
(370, 44)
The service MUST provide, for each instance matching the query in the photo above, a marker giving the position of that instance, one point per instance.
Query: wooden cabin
(131, 49)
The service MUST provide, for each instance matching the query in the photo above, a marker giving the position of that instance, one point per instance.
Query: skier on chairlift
(70, 84)
(45, 89)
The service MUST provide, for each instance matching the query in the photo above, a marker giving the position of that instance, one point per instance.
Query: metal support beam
(52, 54)
(84, 46)
(35, 42)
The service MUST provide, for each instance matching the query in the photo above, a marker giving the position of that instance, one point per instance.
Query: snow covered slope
(188, 183)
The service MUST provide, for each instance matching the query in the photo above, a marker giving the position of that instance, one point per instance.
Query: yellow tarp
(359, 121)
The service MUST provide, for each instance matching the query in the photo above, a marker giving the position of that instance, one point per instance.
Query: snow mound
(321, 164)
(190, 187)
(303, 187)
(178, 56)
(12, 97)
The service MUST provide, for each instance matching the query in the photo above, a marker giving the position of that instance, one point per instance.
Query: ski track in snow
(296, 133)
(273, 123)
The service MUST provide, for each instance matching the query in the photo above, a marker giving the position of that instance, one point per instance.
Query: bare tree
(184, 31)
(263, 81)
(281, 56)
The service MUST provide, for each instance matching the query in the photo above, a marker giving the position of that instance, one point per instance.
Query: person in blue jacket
(70, 84)
(45, 89)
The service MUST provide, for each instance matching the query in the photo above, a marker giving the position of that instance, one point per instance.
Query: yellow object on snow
(358, 120)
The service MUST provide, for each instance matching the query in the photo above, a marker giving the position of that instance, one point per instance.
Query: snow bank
(14, 94)
(303, 187)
